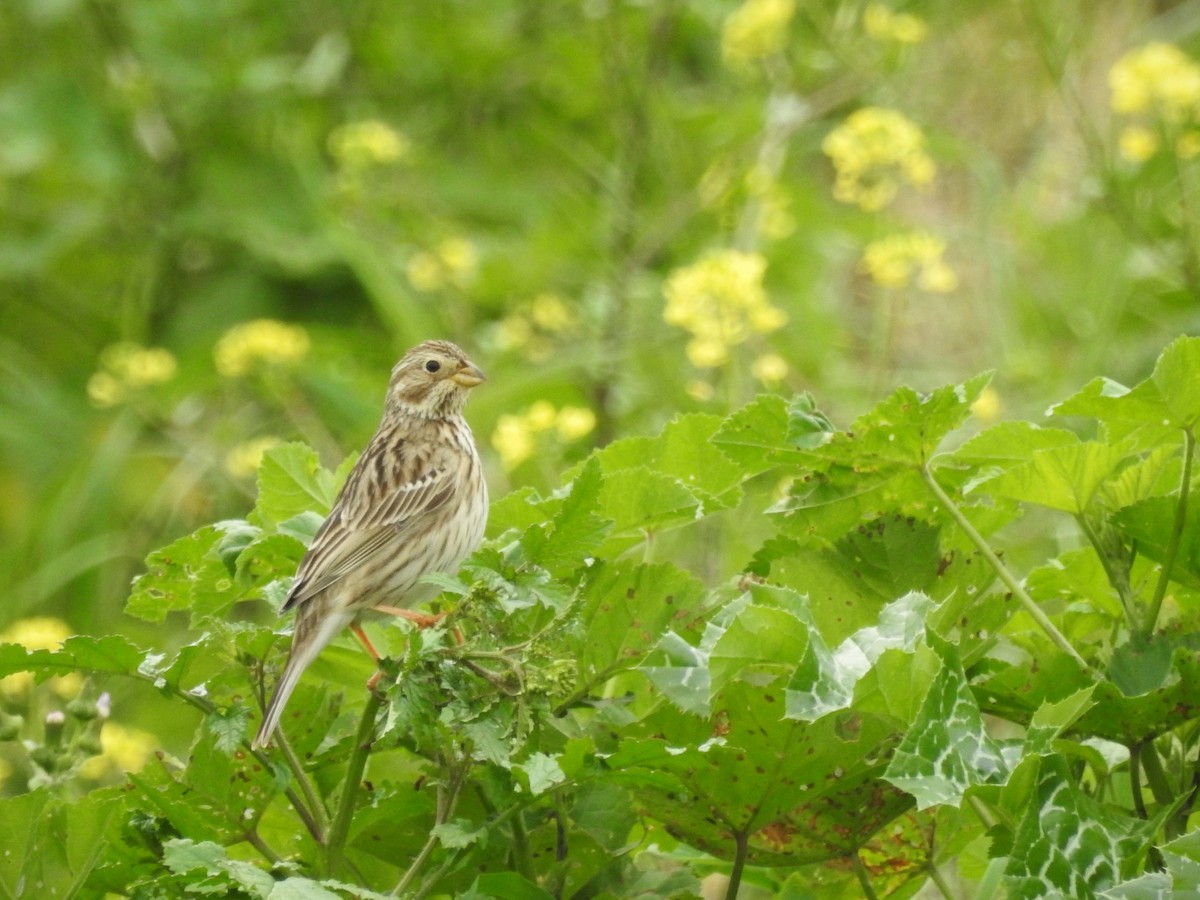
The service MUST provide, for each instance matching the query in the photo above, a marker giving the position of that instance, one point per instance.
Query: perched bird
(415, 502)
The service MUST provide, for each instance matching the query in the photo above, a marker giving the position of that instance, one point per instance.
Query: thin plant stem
(306, 788)
(363, 740)
(940, 881)
(742, 850)
(864, 880)
(254, 839)
(447, 800)
(1181, 509)
(1010, 581)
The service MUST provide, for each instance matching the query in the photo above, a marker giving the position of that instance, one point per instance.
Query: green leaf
(1176, 375)
(680, 671)
(772, 432)
(539, 773)
(1064, 478)
(1137, 418)
(1069, 845)
(1151, 523)
(824, 681)
(505, 886)
(639, 500)
(947, 748)
(1007, 443)
(291, 481)
(111, 655)
(458, 833)
(185, 572)
(575, 532)
(759, 643)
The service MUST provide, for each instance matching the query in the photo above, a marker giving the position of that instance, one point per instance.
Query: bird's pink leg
(421, 620)
(373, 681)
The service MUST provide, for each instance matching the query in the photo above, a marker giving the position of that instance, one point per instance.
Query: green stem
(742, 850)
(255, 840)
(1010, 581)
(1168, 563)
(363, 740)
(301, 777)
(937, 878)
(447, 800)
(864, 880)
(1156, 777)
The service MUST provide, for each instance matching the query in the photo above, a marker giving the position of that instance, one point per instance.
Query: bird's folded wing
(369, 515)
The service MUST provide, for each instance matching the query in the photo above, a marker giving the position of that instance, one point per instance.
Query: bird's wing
(373, 509)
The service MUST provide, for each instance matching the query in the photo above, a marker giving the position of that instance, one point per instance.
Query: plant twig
(447, 800)
(1010, 581)
(1181, 508)
(301, 777)
(742, 850)
(940, 881)
(363, 740)
(864, 880)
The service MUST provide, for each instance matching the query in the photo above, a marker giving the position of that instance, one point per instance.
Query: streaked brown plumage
(415, 502)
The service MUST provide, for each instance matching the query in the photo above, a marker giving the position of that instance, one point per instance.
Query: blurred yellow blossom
(125, 368)
(894, 262)
(515, 436)
(535, 325)
(884, 24)
(700, 390)
(358, 145)
(770, 368)
(987, 405)
(244, 459)
(874, 152)
(720, 300)
(755, 30)
(124, 750)
(1156, 78)
(38, 633)
(453, 261)
(551, 313)
(265, 341)
(1188, 145)
(1137, 143)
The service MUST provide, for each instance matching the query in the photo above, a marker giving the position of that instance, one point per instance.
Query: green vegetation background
(531, 179)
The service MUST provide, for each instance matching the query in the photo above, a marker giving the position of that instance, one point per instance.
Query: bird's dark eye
(432, 365)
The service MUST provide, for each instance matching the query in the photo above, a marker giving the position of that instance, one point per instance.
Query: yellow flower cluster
(360, 145)
(721, 301)
(895, 260)
(532, 326)
(38, 633)
(244, 459)
(1158, 87)
(122, 750)
(874, 152)
(263, 341)
(887, 26)
(770, 368)
(126, 368)
(755, 30)
(515, 436)
(452, 262)
(988, 405)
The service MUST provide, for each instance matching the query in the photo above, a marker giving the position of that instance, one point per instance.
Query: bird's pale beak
(468, 376)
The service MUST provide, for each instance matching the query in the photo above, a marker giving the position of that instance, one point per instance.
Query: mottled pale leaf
(1063, 478)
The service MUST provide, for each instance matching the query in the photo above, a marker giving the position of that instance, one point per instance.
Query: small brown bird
(415, 502)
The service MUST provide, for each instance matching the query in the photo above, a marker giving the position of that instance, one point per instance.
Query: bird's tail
(306, 645)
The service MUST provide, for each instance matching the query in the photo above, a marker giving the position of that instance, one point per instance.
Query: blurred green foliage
(527, 178)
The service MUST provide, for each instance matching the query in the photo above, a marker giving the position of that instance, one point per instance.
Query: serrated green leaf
(638, 500)
(680, 672)
(575, 532)
(824, 681)
(1064, 478)
(1052, 719)
(1137, 418)
(110, 655)
(772, 432)
(1176, 375)
(291, 481)
(181, 573)
(1011, 442)
(458, 833)
(228, 728)
(505, 886)
(947, 748)
(759, 643)
(540, 773)
(1069, 845)
(1151, 523)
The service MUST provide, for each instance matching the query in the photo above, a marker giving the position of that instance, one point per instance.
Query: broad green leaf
(517, 510)
(1052, 719)
(771, 432)
(638, 500)
(1075, 576)
(626, 608)
(1008, 443)
(685, 452)
(680, 671)
(824, 681)
(1176, 375)
(575, 532)
(1063, 478)
(947, 748)
(1182, 857)
(184, 572)
(539, 773)
(757, 644)
(895, 554)
(1135, 417)
(1151, 523)
(110, 655)
(505, 886)
(291, 481)
(1069, 845)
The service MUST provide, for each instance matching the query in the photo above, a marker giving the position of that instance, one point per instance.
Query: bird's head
(432, 380)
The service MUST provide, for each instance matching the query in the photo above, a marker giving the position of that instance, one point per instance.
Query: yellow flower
(894, 262)
(452, 261)
(244, 459)
(125, 368)
(574, 422)
(1137, 143)
(769, 368)
(755, 30)
(987, 405)
(1156, 78)
(1188, 145)
(263, 341)
(124, 750)
(882, 24)
(513, 440)
(359, 145)
(874, 152)
(551, 313)
(720, 300)
(541, 416)
(700, 390)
